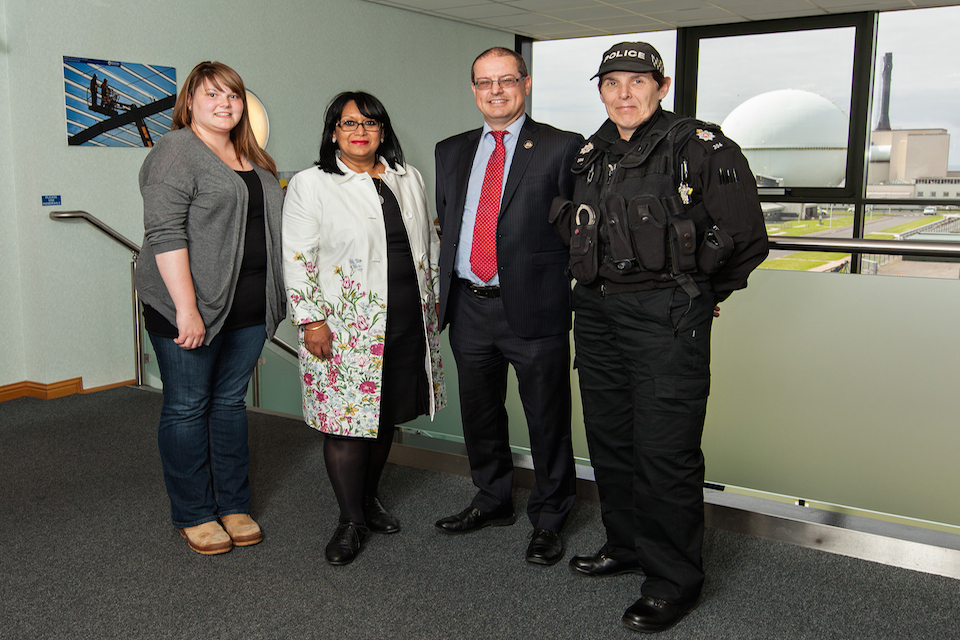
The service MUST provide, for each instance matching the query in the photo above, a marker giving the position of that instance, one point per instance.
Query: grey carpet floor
(88, 552)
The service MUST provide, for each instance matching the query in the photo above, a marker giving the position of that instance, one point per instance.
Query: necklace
(379, 182)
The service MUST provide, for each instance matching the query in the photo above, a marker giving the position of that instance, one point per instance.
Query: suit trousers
(643, 360)
(483, 345)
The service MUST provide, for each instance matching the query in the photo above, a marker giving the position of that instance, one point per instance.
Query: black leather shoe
(472, 519)
(379, 520)
(600, 565)
(651, 615)
(546, 547)
(345, 543)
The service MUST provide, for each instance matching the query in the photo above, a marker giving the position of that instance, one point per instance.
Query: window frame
(865, 26)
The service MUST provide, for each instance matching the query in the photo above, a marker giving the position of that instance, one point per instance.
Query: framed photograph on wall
(117, 104)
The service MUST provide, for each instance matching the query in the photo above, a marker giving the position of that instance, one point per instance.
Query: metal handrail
(118, 237)
(864, 245)
(135, 248)
(110, 231)
(284, 346)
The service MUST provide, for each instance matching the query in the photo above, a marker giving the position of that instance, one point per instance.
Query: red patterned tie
(483, 255)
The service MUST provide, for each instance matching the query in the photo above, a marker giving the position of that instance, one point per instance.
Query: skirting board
(53, 390)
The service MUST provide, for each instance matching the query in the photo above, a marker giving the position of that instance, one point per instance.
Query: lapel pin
(528, 144)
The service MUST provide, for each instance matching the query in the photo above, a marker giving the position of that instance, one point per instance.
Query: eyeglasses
(507, 82)
(351, 125)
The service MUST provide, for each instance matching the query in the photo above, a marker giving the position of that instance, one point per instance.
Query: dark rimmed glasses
(368, 125)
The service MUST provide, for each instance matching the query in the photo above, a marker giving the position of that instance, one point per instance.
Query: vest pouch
(583, 244)
(648, 232)
(617, 229)
(683, 246)
(715, 250)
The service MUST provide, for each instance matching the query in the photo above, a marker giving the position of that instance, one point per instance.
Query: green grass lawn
(802, 261)
(806, 227)
(920, 222)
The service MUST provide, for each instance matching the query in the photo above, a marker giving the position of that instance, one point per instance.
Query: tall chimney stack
(884, 124)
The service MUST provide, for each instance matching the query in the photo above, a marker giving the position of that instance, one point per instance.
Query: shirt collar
(513, 128)
(349, 173)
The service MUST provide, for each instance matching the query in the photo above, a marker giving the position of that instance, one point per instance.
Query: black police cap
(637, 57)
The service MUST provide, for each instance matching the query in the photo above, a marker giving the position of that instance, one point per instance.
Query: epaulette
(587, 154)
(709, 136)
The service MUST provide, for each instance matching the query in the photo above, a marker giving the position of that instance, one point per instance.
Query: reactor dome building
(791, 138)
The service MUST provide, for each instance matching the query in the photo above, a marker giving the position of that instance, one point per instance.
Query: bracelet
(322, 324)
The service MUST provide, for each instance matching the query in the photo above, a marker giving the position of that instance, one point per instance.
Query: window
(915, 130)
(914, 141)
(785, 220)
(788, 112)
(565, 96)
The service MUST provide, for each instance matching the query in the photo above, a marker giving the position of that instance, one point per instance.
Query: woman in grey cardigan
(211, 282)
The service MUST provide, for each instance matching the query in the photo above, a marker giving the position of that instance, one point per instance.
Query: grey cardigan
(193, 200)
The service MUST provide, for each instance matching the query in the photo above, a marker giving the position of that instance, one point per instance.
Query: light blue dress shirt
(477, 173)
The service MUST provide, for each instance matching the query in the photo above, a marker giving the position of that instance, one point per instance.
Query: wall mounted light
(258, 119)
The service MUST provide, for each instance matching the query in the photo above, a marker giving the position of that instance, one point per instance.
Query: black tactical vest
(637, 220)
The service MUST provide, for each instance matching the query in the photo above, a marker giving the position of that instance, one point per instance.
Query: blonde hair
(220, 75)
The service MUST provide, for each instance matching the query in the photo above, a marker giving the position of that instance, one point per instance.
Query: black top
(249, 299)
(405, 390)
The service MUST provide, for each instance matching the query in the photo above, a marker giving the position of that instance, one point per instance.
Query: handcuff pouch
(584, 226)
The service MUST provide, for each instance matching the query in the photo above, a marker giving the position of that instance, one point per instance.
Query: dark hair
(501, 52)
(220, 76)
(370, 107)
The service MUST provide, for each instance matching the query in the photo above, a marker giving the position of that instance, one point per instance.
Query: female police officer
(665, 222)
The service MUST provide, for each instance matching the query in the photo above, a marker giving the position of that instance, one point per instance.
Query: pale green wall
(11, 345)
(75, 320)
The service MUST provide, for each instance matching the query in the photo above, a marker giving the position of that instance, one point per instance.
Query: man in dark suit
(506, 296)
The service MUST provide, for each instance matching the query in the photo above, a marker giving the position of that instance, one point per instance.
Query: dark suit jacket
(532, 259)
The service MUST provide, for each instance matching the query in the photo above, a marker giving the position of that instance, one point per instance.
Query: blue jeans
(203, 424)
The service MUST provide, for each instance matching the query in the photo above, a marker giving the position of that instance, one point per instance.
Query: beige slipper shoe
(208, 538)
(242, 529)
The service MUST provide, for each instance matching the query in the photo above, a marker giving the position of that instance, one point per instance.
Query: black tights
(355, 466)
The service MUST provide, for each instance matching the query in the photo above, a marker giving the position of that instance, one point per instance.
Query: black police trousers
(643, 360)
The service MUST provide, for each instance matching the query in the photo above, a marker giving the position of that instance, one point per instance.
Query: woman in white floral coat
(360, 257)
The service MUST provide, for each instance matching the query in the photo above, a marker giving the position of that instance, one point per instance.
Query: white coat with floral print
(335, 269)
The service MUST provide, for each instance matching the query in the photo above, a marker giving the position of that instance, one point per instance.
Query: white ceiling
(555, 19)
